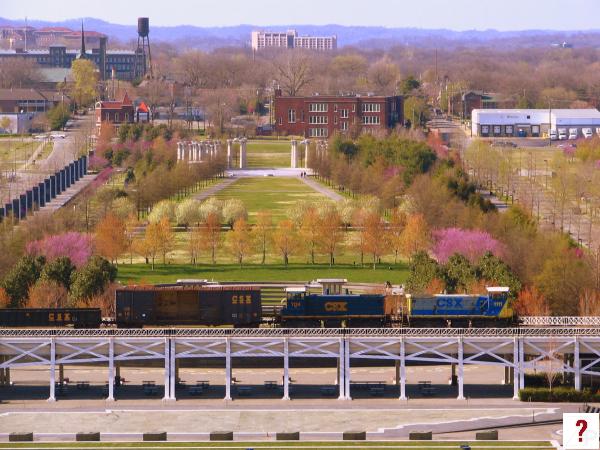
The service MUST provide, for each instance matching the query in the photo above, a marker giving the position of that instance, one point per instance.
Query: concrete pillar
(227, 369)
(179, 151)
(342, 367)
(111, 370)
(294, 154)
(347, 372)
(521, 364)
(167, 379)
(516, 366)
(577, 365)
(337, 368)
(402, 370)
(173, 372)
(243, 157)
(229, 143)
(461, 395)
(286, 370)
(306, 148)
(52, 396)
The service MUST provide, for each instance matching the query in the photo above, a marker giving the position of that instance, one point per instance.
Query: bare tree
(294, 71)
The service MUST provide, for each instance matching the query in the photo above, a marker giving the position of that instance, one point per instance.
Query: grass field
(137, 273)
(268, 153)
(269, 193)
(19, 150)
(415, 445)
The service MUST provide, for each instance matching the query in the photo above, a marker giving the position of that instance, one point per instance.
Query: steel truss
(561, 350)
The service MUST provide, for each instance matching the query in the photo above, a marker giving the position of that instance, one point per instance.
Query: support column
(243, 156)
(402, 370)
(2, 377)
(294, 154)
(227, 369)
(200, 150)
(460, 370)
(286, 370)
(179, 158)
(521, 363)
(52, 397)
(341, 370)
(347, 370)
(516, 366)
(111, 370)
(172, 369)
(167, 373)
(306, 147)
(577, 365)
(337, 368)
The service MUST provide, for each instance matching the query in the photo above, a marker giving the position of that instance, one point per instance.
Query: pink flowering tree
(472, 244)
(76, 246)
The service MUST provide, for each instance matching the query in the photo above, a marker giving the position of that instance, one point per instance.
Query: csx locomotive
(240, 306)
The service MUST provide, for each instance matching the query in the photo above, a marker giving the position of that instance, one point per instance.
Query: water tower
(144, 44)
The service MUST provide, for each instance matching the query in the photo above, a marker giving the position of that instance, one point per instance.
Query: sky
(449, 14)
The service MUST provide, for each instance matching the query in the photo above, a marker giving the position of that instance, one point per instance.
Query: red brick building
(321, 116)
(114, 113)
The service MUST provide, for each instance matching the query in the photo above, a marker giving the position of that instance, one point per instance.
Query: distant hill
(367, 37)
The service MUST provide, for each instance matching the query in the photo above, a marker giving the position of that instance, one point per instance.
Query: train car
(303, 309)
(461, 310)
(188, 305)
(51, 317)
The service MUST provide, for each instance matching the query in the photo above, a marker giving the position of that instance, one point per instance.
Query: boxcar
(51, 317)
(188, 305)
(343, 310)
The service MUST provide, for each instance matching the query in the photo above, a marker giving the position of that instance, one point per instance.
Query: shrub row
(558, 394)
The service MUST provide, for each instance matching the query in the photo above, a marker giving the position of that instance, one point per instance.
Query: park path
(214, 189)
(322, 189)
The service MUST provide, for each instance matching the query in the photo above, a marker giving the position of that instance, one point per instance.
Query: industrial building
(290, 39)
(533, 122)
(320, 116)
(126, 64)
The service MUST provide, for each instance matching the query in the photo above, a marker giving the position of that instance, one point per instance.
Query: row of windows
(317, 107)
(371, 120)
(317, 132)
(371, 107)
(321, 120)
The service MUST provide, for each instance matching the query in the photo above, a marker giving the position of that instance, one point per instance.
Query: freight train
(240, 306)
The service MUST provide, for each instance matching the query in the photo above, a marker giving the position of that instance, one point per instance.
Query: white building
(290, 39)
(530, 122)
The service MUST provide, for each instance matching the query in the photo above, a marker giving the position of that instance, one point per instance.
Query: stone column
(294, 154)
(199, 146)
(243, 157)
(229, 143)
(306, 147)
(227, 369)
(461, 372)
(179, 152)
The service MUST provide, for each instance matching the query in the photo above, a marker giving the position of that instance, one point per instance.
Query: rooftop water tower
(144, 44)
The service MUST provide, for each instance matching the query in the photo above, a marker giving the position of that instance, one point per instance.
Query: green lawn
(298, 444)
(271, 272)
(268, 153)
(270, 193)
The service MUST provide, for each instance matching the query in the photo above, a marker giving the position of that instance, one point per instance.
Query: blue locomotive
(303, 309)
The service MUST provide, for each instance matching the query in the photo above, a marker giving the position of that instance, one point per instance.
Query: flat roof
(585, 112)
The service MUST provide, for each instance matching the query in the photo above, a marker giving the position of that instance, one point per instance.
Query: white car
(553, 135)
(562, 134)
(58, 135)
(587, 132)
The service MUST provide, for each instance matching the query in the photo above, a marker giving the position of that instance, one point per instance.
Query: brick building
(114, 113)
(321, 116)
(28, 100)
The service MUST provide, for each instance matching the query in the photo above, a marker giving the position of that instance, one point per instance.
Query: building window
(319, 120)
(317, 132)
(291, 116)
(371, 107)
(281, 121)
(344, 113)
(344, 126)
(335, 120)
(353, 108)
(335, 107)
(317, 107)
(371, 120)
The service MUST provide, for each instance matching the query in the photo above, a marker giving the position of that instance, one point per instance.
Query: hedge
(558, 394)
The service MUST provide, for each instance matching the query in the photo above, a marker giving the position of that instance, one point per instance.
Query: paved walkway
(323, 189)
(214, 189)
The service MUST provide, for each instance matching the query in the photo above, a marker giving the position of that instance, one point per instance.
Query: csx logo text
(449, 303)
(336, 306)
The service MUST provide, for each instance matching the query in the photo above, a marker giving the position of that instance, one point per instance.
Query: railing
(304, 332)
(570, 321)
